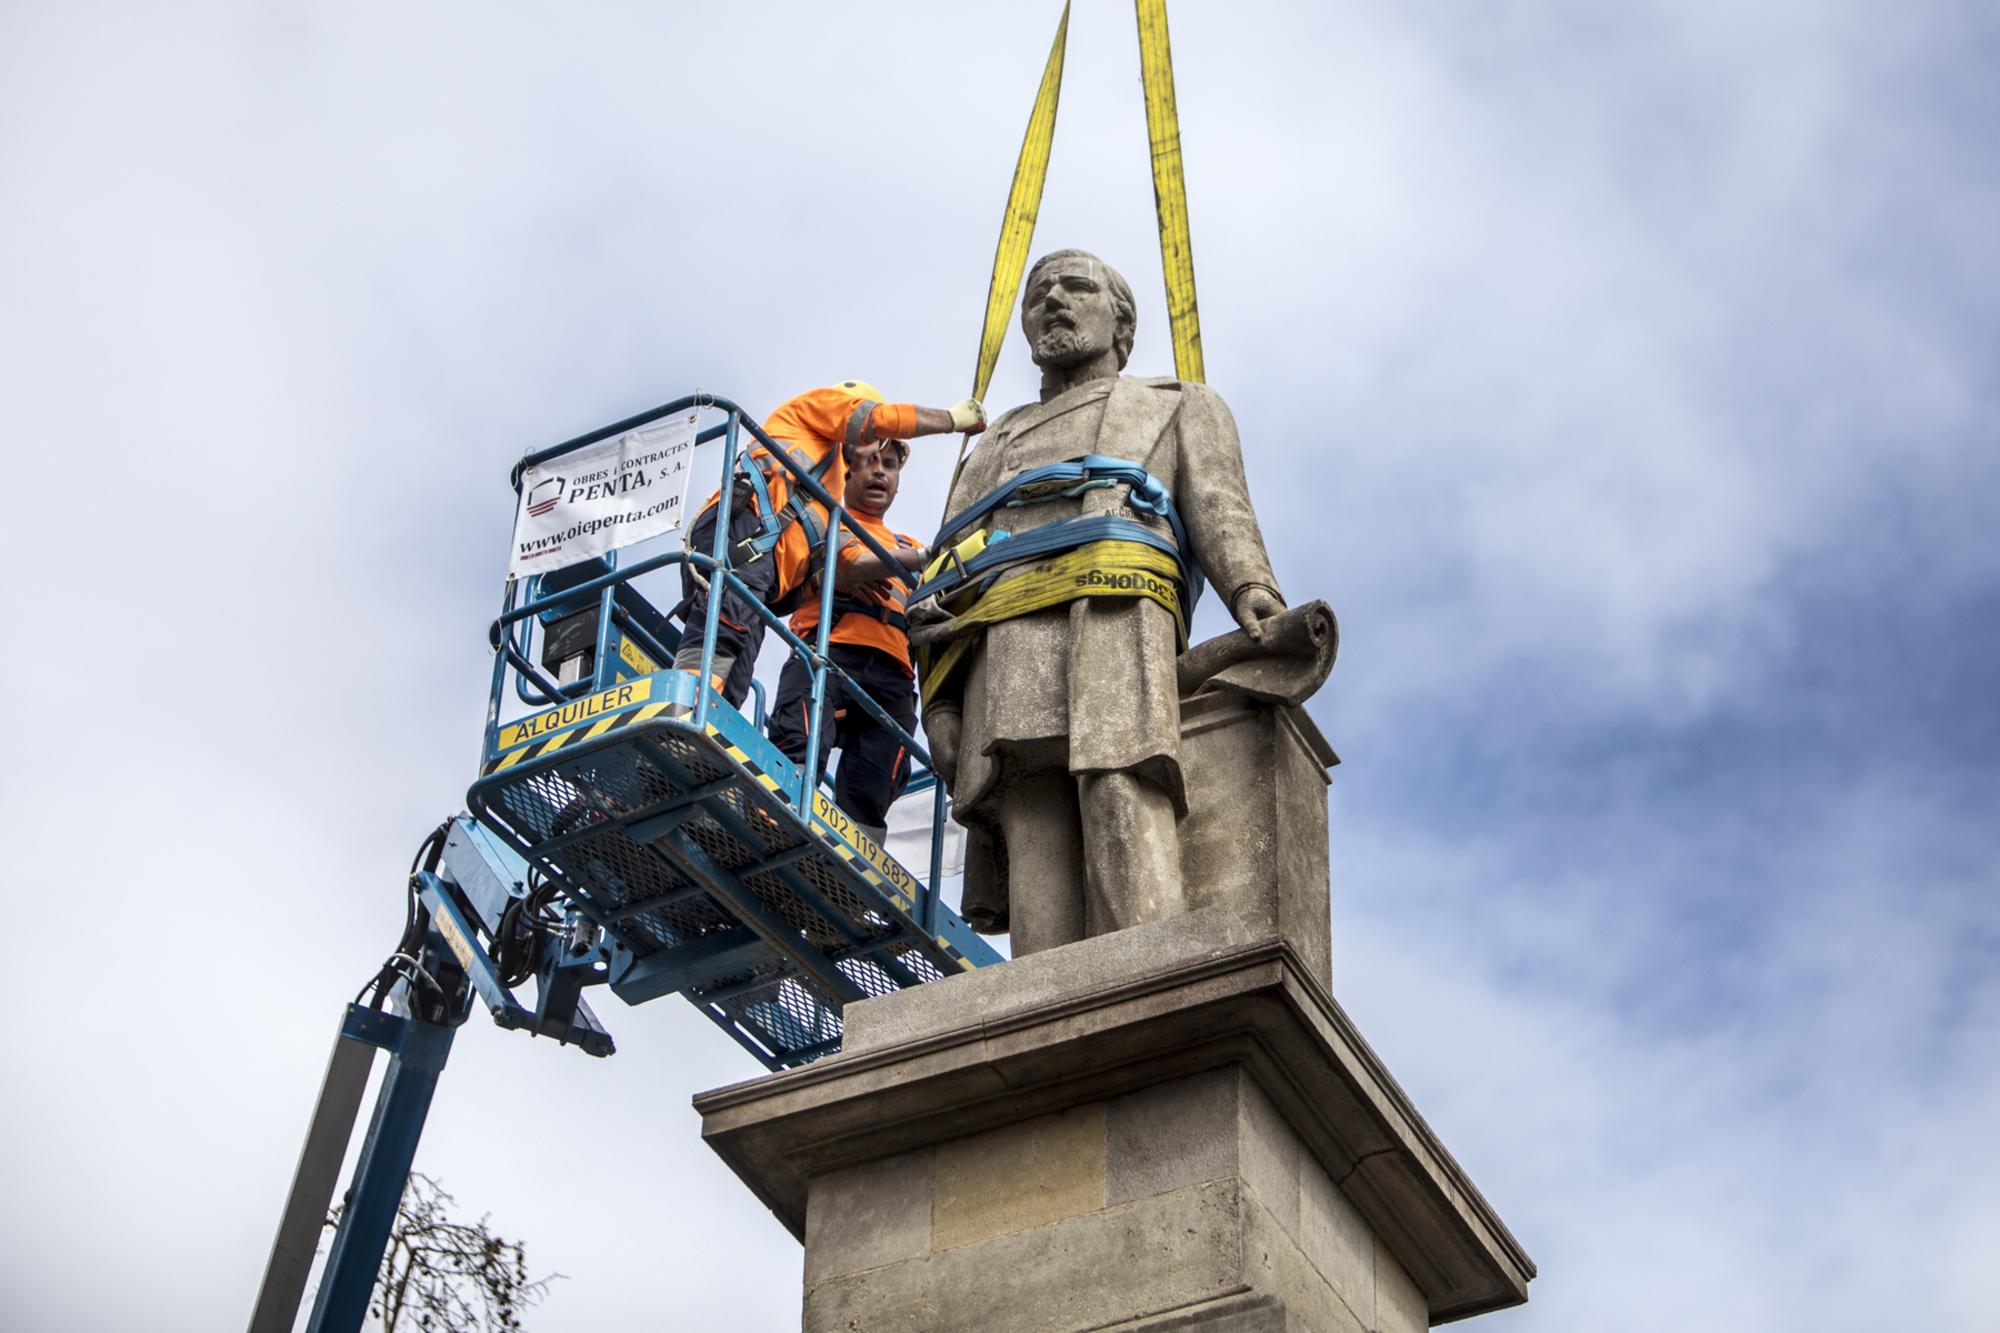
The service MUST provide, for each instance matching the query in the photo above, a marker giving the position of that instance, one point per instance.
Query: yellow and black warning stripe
(860, 853)
(829, 824)
(835, 839)
(550, 744)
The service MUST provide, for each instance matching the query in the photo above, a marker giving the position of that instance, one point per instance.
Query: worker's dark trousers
(874, 765)
(739, 633)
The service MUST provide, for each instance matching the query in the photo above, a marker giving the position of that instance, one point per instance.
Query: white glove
(968, 416)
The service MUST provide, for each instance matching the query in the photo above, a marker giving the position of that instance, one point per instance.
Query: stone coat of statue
(1059, 736)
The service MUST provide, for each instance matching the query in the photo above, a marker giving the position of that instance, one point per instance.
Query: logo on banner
(626, 490)
(544, 495)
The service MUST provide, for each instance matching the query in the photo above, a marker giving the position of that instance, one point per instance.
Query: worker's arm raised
(966, 417)
(837, 417)
(903, 421)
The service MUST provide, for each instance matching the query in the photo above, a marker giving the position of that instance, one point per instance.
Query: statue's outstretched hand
(1254, 605)
(941, 727)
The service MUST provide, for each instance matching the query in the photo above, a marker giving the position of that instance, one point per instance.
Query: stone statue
(1130, 1090)
(1059, 735)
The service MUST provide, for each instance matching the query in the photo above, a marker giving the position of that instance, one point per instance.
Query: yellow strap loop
(1109, 568)
(1163, 131)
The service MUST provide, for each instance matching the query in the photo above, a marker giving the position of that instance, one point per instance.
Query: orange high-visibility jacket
(877, 619)
(814, 425)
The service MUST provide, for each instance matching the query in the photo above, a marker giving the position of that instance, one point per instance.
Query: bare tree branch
(444, 1276)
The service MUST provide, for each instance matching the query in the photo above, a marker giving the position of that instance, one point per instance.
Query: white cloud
(1618, 345)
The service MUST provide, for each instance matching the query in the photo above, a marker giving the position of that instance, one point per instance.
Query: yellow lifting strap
(1109, 568)
(1163, 131)
(1024, 202)
(1017, 224)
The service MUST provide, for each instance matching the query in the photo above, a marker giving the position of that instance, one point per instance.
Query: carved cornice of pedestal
(1106, 1017)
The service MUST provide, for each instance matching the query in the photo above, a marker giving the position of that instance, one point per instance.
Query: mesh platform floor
(685, 858)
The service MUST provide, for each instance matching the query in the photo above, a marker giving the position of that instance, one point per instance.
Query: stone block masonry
(1171, 1127)
(1191, 1198)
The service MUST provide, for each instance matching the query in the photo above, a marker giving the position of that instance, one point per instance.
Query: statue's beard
(1061, 346)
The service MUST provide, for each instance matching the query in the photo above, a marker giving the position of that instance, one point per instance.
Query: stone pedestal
(1171, 1127)
(1255, 835)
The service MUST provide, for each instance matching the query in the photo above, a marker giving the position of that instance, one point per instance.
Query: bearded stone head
(1076, 307)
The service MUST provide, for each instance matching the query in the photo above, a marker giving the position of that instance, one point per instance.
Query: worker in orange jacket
(869, 641)
(817, 428)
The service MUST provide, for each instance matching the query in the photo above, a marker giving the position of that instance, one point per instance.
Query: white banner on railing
(628, 489)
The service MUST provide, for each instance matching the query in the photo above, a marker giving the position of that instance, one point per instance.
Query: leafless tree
(445, 1276)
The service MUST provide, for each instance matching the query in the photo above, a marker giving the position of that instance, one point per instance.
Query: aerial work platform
(684, 852)
(628, 829)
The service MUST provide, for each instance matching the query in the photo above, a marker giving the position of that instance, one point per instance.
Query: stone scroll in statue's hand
(1287, 667)
(929, 623)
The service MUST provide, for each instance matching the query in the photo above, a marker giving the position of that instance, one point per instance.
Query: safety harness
(1096, 555)
(772, 521)
(845, 604)
(848, 606)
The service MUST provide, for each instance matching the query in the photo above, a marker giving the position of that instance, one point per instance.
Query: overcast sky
(1624, 375)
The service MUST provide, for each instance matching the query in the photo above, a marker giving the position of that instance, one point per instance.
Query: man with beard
(1058, 730)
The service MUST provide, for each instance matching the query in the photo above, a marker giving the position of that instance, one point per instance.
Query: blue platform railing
(525, 602)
